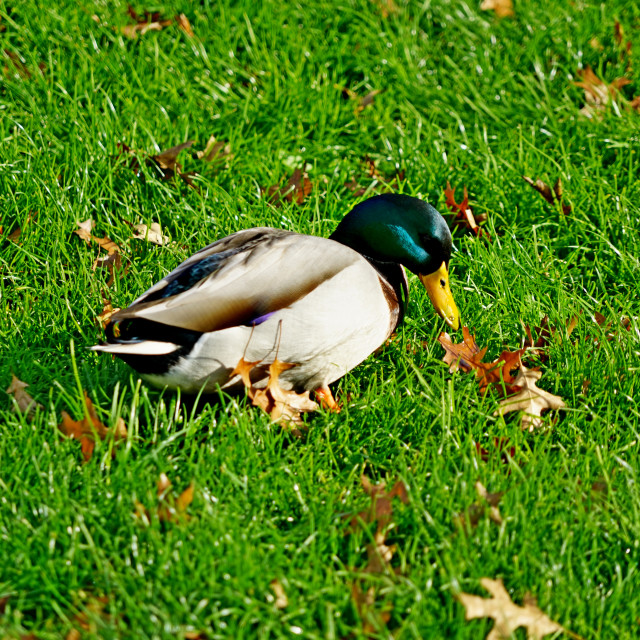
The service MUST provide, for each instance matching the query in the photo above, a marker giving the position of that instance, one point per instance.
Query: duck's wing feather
(240, 279)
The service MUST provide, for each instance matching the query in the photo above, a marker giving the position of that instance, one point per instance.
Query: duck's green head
(408, 231)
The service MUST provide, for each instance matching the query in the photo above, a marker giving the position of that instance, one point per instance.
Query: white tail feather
(142, 348)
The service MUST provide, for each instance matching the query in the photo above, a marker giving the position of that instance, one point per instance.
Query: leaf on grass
(467, 356)
(374, 619)
(473, 514)
(297, 188)
(153, 22)
(112, 261)
(282, 405)
(183, 22)
(530, 399)
(464, 217)
(500, 446)
(551, 195)
(598, 94)
(387, 7)
(380, 183)
(169, 508)
(544, 334)
(24, 403)
(90, 428)
(215, 151)
(107, 311)
(281, 600)
(91, 619)
(507, 615)
(380, 511)
(502, 8)
(151, 234)
(165, 164)
(367, 101)
(16, 66)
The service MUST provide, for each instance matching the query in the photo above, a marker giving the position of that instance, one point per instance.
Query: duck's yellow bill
(437, 286)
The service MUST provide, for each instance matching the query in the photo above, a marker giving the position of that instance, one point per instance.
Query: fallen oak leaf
(297, 188)
(465, 355)
(367, 101)
(214, 151)
(598, 94)
(530, 399)
(90, 428)
(107, 311)
(151, 234)
(502, 8)
(281, 600)
(24, 403)
(507, 615)
(281, 404)
(464, 217)
(471, 516)
(169, 509)
(183, 22)
(380, 511)
(551, 195)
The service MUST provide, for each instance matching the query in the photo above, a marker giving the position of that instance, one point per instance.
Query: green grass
(467, 98)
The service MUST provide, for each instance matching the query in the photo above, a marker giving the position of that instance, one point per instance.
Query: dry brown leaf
(464, 217)
(280, 404)
(215, 150)
(165, 164)
(151, 234)
(502, 8)
(380, 511)
(107, 311)
(367, 100)
(530, 399)
(183, 22)
(298, 187)
(87, 620)
(24, 403)
(90, 428)
(387, 7)
(507, 615)
(598, 94)
(170, 508)
(550, 195)
(281, 601)
(473, 514)
(467, 356)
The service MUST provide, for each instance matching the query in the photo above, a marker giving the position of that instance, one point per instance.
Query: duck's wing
(239, 280)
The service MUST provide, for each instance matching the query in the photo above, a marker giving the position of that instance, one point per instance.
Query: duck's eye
(443, 284)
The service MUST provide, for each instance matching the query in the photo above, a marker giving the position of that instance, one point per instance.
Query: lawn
(269, 546)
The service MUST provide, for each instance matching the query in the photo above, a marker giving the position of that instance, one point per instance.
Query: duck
(321, 304)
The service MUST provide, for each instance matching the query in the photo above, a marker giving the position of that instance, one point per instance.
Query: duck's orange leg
(326, 399)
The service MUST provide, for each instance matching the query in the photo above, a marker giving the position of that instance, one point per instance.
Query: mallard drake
(321, 304)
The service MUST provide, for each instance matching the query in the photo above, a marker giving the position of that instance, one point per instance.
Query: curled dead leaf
(551, 195)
